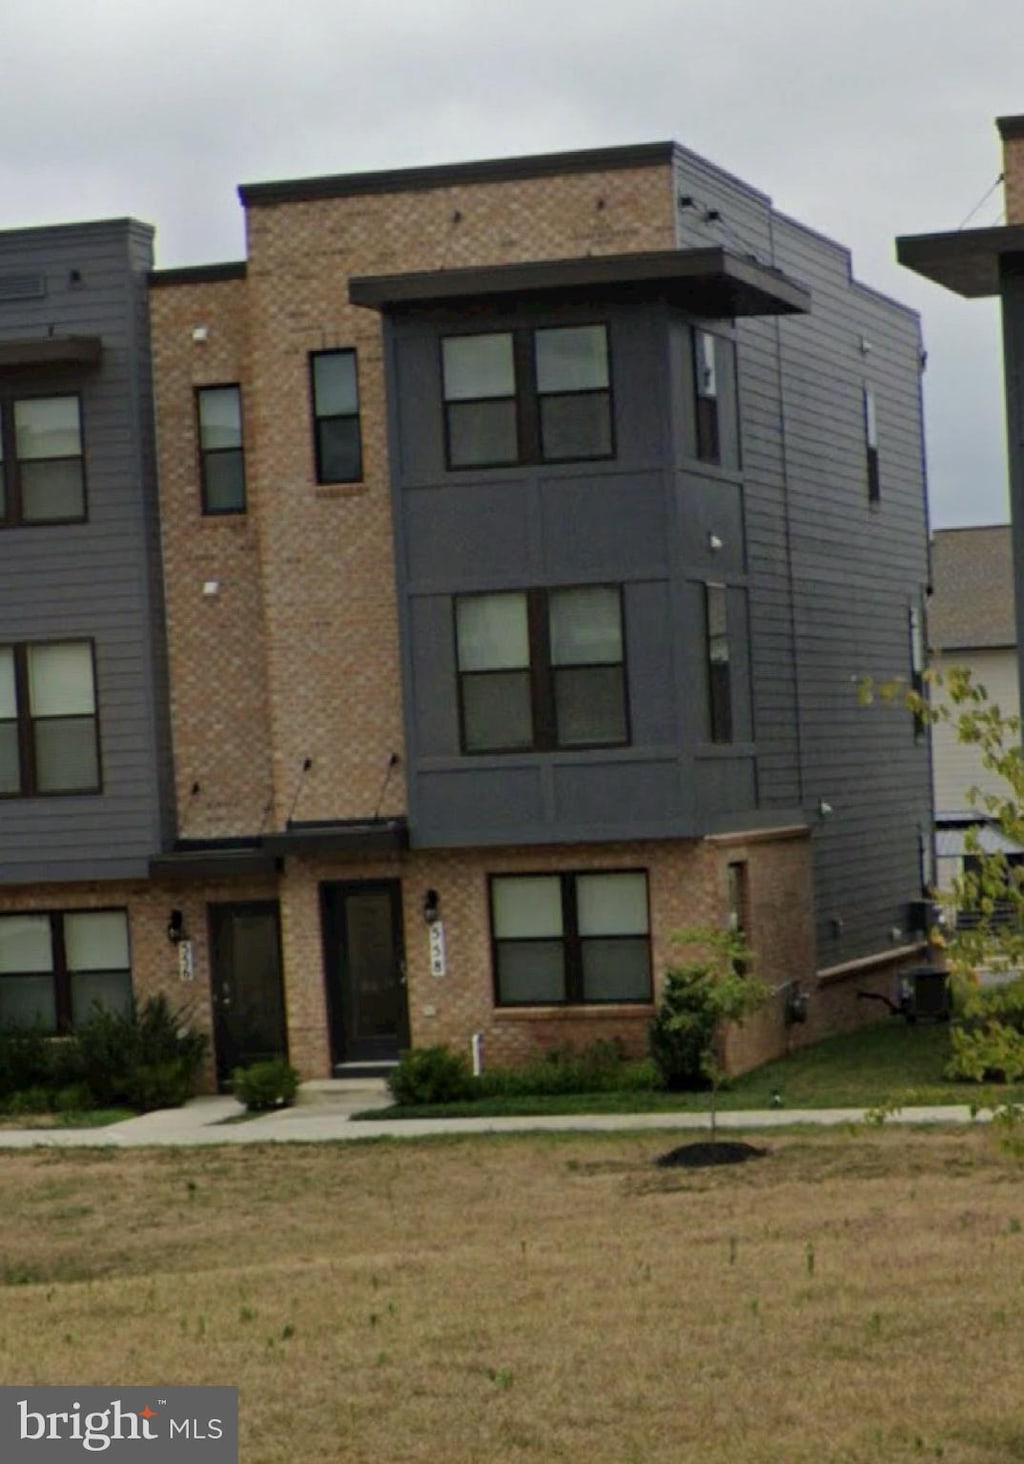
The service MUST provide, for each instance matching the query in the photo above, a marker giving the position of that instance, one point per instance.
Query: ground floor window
(56, 966)
(570, 938)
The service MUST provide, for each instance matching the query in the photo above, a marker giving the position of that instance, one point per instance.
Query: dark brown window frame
(11, 464)
(207, 452)
(542, 673)
(320, 417)
(528, 399)
(571, 940)
(61, 974)
(25, 722)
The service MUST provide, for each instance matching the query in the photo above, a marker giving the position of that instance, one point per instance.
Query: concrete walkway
(324, 1114)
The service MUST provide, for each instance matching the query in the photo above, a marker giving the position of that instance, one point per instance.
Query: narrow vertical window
(737, 911)
(493, 645)
(585, 639)
(50, 470)
(706, 389)
(337, 437)
(62, 714)
(718, 671)
(871, 446)
(573, 393)
(481, 426)
(221, 454)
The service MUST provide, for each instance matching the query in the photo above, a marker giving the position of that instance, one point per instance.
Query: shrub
(30, 1100)
(601, 1067)
(993, 1053)
(146, 1059)
(712, 987)
(25, 1060)
(265, 1085)
(431, 1075)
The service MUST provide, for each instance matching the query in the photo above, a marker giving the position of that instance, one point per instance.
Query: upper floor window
(871, 446)
(221, 454)
(716, 605)
(56, 967)
(49, 735)
(527, 396)
(336, 436)
(705, 375)
(42, 469)
(542, 669)
(570, 938)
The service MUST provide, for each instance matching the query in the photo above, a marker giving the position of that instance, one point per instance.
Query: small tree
(985, 903)
(711, 988)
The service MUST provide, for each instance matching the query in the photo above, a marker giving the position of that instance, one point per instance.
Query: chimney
(1011, 130)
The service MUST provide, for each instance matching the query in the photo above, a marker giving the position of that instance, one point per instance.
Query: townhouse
(525, 527)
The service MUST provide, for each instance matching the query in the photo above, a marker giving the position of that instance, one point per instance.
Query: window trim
(208, 452)
(571, 940)
(527, 398)
(24, 723)
(61, 974)
(12, 515)
(318, 418)
(541, 673)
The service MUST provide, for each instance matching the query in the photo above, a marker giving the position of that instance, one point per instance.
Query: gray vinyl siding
(98, 580)
(831, 577)
(641, 521)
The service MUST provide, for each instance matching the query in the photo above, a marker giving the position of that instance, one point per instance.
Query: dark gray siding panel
(830, 578)
(98, 580)
(458, 802)
(614, 526)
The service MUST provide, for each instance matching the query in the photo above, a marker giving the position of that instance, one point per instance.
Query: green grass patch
(887, 1065)
(82, 1118)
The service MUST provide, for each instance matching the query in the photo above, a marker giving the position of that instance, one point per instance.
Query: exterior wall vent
(22, 287)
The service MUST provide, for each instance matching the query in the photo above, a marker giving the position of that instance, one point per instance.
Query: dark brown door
(365, 970)
(248, 997)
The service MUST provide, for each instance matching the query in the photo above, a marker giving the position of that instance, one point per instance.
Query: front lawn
(888, 1065)
(848, 1296)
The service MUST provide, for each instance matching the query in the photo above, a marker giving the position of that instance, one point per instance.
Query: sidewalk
(324, 1114)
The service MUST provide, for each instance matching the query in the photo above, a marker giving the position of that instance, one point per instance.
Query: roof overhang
(970, 262)
(358, 836)
(705, 282)
(34, 351)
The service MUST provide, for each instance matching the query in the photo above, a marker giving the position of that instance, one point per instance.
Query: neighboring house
(526, 526)
(970, 624)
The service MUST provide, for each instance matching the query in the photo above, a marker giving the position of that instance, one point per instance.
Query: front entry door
(365, 970)
(248, 998)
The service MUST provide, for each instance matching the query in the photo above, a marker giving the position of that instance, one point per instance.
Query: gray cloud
(862, 120)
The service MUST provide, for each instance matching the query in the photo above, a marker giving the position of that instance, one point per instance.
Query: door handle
(401, 971)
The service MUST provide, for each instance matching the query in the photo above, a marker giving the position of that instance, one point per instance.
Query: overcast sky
(862, 118)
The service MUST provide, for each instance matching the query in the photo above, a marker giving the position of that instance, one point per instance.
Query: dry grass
(849, 1297)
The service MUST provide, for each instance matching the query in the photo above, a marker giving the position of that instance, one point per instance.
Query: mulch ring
(703, 1154)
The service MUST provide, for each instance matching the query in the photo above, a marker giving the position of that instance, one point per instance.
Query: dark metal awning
(33, 351)
(968, 261)
(713, 283)
(213, 859)
(355, 836)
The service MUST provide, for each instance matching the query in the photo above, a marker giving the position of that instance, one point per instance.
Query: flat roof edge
(448, 175)
(199, 274)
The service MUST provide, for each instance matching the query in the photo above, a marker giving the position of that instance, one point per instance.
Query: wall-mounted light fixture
(431, 907)
(200, 334)
(176, 932)
(824, 809)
